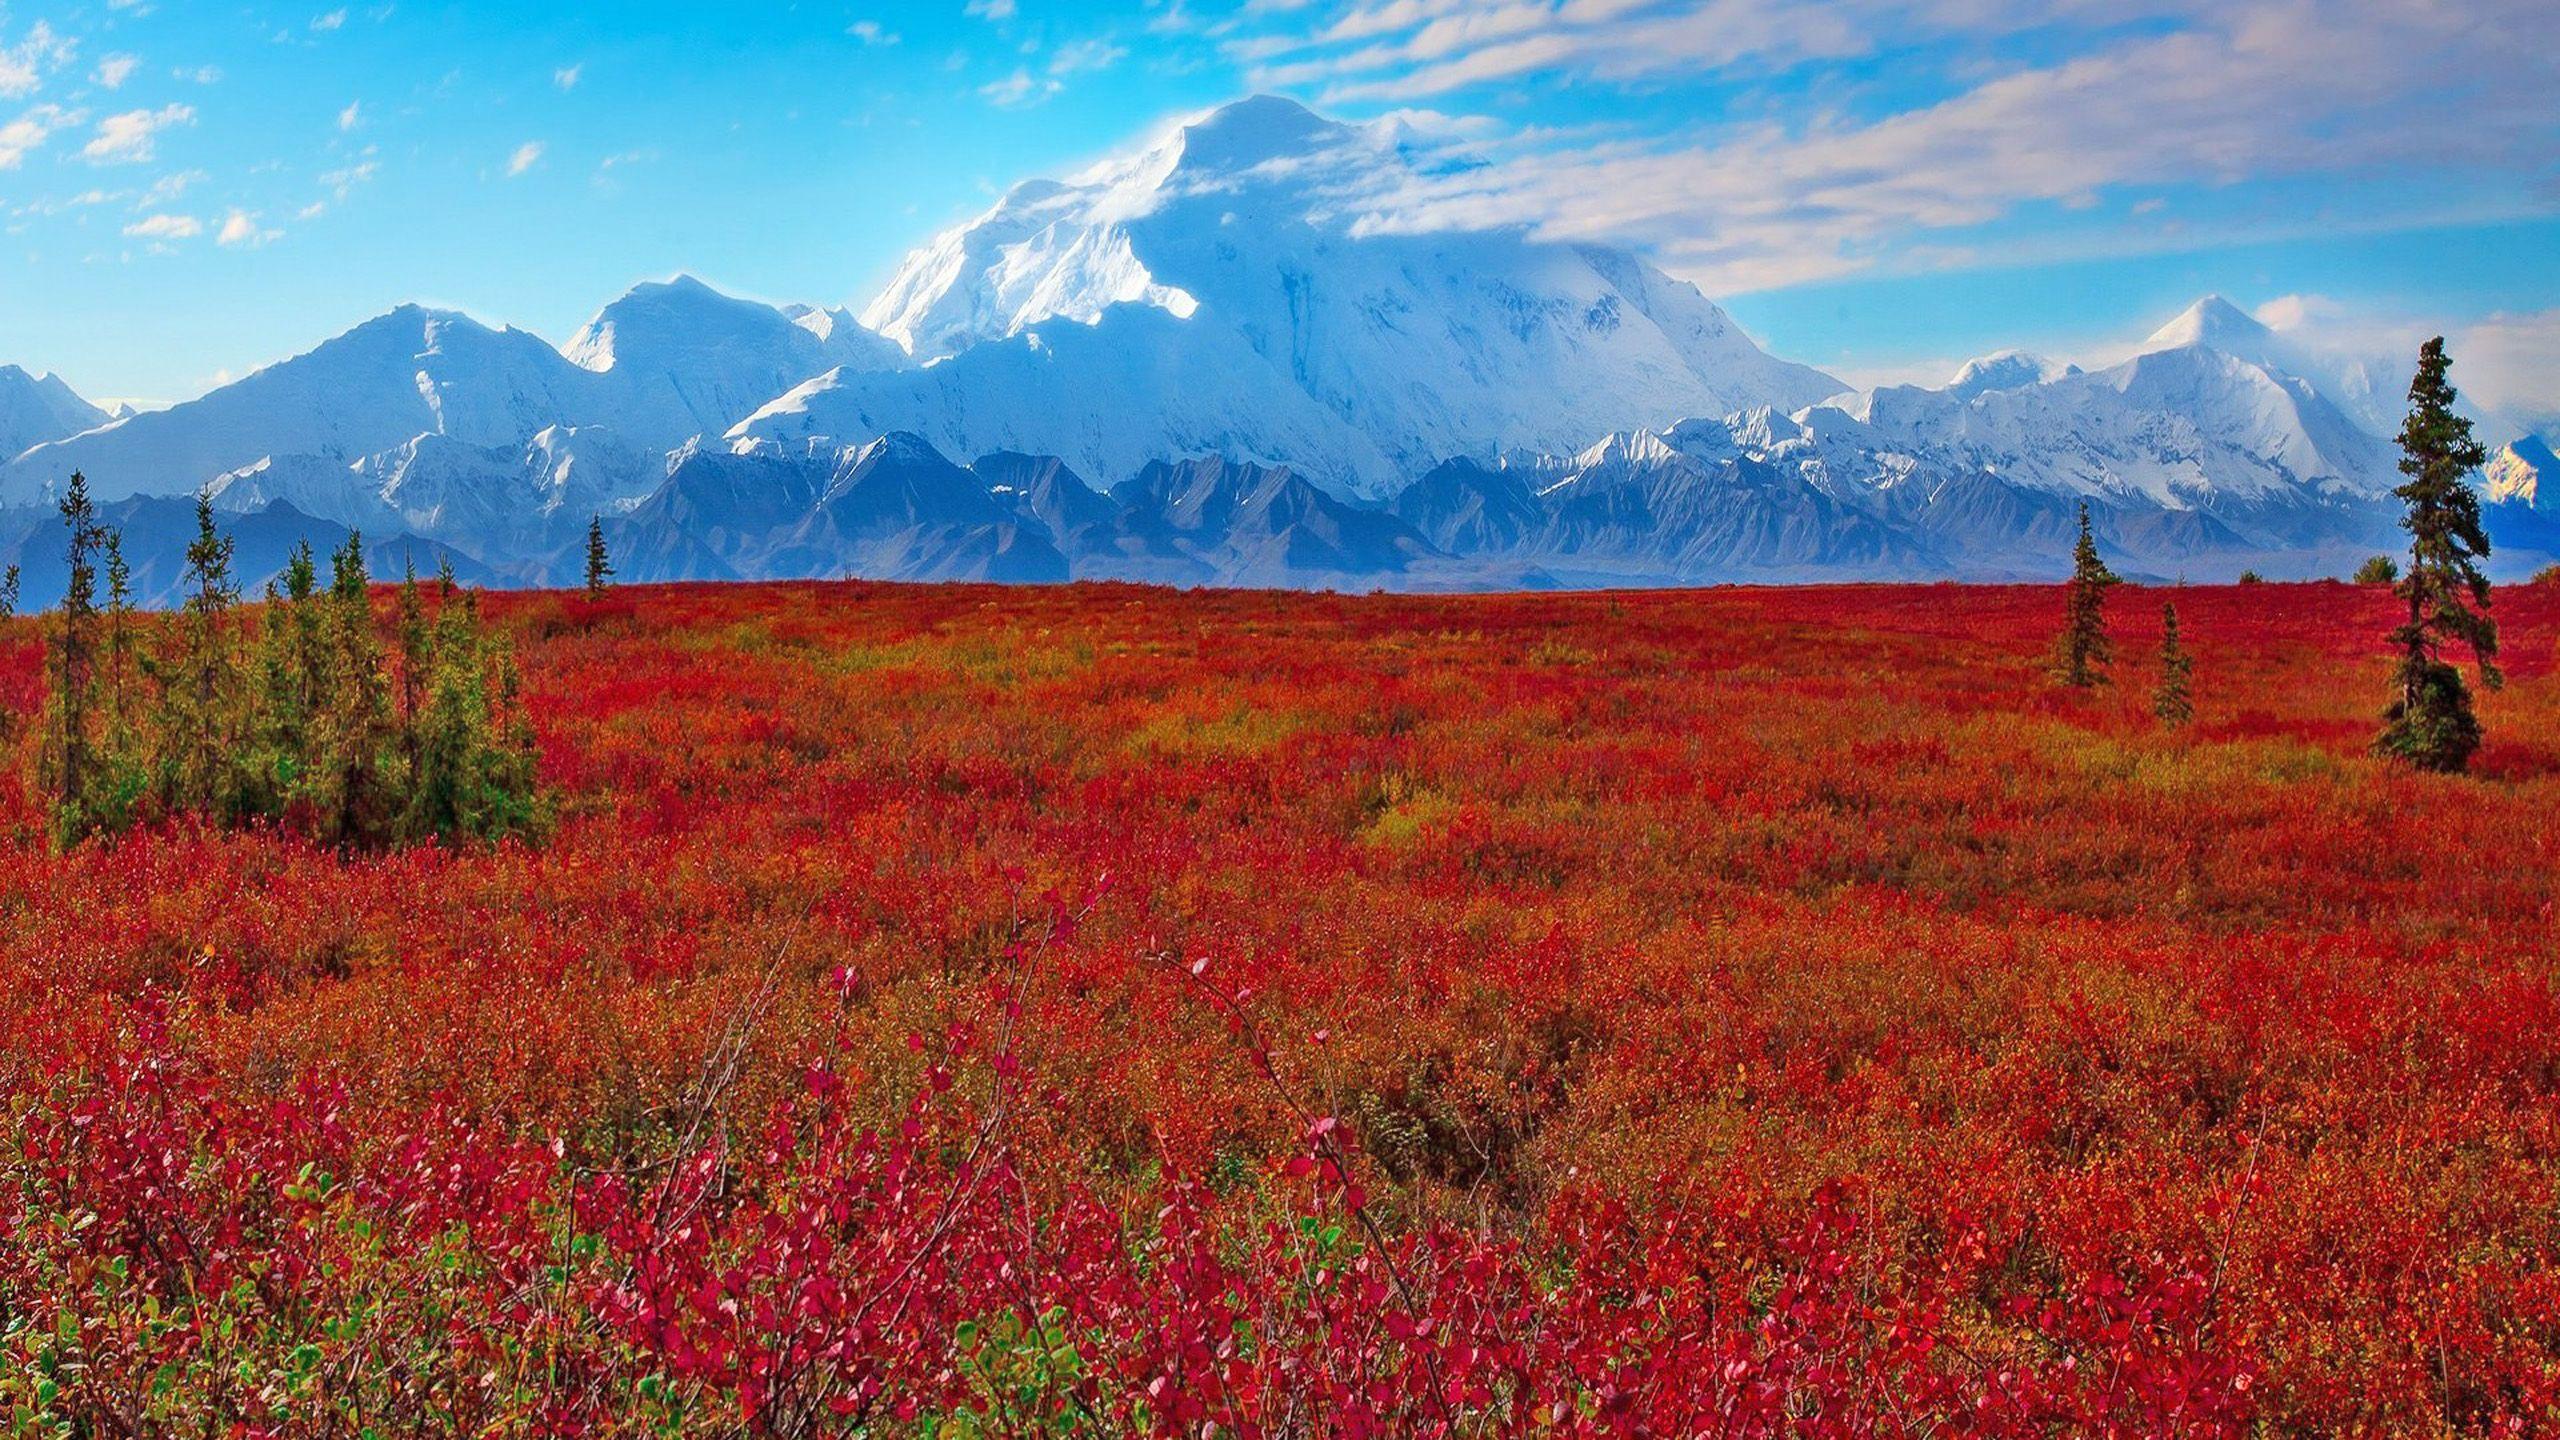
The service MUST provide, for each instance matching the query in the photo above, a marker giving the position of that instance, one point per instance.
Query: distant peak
(2006, 370)
(2211, 321)
(1254, 131)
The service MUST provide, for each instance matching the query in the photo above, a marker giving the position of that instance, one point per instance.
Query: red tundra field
(1103, 1011)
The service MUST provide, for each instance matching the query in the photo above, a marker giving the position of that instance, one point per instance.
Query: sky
(192, 188)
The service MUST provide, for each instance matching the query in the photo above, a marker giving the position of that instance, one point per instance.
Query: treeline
(296, 711)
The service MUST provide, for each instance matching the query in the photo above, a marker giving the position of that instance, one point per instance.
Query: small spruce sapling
(2175, 702)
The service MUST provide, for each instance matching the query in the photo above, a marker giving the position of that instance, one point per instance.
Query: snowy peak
(413, 371)
(2524, 473)
(2006, 370)
(38, 408)
(1258, 223)
(681, 311)
(1256, 132)
(2216, 324)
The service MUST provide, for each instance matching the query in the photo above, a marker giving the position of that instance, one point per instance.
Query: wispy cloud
(996, 10)
(27, 134)
(871, 32)
(241, 228)
(526, 156)
(2254, 91)
(165, 227)
(352, 116)
(39, 52)
(1079, 56)
(1019, 88)
(568, 76)
(114, 70)
(131, 138)
(169, 187)
(333, 20)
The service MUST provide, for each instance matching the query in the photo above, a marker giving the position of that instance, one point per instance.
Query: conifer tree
(417, 661)
(8, 593)
(354, 795)
(122, 771)
(200, 702)
(2085, 651)
(67, 759)
(599, 565)
(2430, 723)
(2174, 703)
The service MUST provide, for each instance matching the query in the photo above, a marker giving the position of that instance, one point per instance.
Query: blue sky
(1883, 187)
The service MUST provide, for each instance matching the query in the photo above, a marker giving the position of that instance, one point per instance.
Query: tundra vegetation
(1098, 1010)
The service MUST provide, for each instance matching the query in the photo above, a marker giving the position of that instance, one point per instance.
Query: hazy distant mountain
(38, 408)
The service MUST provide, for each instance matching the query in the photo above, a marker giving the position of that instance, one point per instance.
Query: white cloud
(1019, 88)
(1079, 56)
(25, 135)
(997, 10)
(870, 32)
(169, 187)
(352, 116)
(334, 20)
(2509, 365)
(241, 227)
(165, 227)
(114, 70)
(527, 155)
(38, 53)
(339, 182)
(567, 76)
(199, 75)
(128, 139)
(2263, 90)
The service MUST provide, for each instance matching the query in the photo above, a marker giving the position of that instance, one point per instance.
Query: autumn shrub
(1098, 1010)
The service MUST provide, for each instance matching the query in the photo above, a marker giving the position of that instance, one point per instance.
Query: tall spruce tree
(2174, 703)
(201, 709)
(123, 770)
(357, 793)
(599, 564)
(2082, 657)
(9, 593)
(67, 757)
(2430, 722)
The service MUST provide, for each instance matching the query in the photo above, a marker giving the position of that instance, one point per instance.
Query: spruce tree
(2174, 703)
(2430, 723)
(122, 771)
(599, 565)
(356, 796)
(8, 593)
(2085, 651)
(201, 710)
(67, 758)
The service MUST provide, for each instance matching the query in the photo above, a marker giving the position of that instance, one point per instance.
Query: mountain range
(1210, 362)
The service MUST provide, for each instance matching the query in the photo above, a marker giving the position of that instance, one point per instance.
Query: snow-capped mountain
(409, 373)
(2525, 473)
(1225, 358)
(2006, 370)
(1255, 231)
(661, 365)
(38, 408)
(680, 359)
